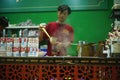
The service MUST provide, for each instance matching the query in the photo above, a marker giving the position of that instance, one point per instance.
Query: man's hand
(41, 32)
(53, 40)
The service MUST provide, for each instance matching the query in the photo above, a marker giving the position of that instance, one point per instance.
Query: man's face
(62, 15)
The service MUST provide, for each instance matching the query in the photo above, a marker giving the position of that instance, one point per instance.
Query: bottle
(20, 33)
(79, 47)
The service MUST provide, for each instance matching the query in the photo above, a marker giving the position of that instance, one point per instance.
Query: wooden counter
(59, 68)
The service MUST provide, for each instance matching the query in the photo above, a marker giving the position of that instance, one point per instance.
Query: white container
(9, 43)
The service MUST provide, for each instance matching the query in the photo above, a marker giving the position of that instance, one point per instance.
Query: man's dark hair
(64, 8)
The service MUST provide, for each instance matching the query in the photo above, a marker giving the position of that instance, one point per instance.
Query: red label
(15, 49)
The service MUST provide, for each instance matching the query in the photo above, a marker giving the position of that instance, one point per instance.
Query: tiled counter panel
(59, 68)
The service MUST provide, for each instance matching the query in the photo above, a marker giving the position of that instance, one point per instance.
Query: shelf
(21, 27)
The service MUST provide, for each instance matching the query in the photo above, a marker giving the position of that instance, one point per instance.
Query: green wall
(89, 25)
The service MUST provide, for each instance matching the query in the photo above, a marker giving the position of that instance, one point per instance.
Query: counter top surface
(60, 60)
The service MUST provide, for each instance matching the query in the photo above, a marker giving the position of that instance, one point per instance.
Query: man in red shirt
(61, 32)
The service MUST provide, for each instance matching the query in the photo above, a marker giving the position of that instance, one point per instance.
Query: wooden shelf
(19, 27)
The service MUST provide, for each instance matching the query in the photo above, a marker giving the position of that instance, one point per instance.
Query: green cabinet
(50, 5)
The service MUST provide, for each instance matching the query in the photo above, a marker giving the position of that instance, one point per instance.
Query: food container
(115, 47)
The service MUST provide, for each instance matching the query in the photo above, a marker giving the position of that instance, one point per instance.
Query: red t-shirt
(63, 32)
